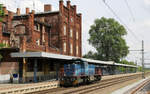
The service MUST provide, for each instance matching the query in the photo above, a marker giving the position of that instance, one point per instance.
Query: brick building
(57, 32)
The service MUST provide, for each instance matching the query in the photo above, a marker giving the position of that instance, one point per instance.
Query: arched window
(64, 30)
(71, 33)
(3, 27)
(64, 48)
(77, 35)
(77, 50)
(71, 49)
(20, 29)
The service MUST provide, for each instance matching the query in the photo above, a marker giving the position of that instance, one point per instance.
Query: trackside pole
(143, 71)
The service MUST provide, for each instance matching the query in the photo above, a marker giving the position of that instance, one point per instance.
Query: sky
(135, 14)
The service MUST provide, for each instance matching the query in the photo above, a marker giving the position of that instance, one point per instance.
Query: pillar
(35, 70)
(24, 70)
(18, 11)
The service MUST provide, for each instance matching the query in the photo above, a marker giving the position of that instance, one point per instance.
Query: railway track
(89, 88)
(141, 88)
(102, 85)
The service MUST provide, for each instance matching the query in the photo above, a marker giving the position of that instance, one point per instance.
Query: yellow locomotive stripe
(75, 82)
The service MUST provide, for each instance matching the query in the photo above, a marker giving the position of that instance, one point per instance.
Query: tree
(1, 46)
(90, 55)
(1, 12)
(106, 35)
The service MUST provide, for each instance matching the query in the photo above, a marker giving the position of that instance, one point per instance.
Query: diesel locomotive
(79, 71)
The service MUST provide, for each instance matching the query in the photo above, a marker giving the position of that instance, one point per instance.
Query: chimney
(75, 8)
(33, 11)
(18, 11)
(68, 4)
(61, 5)
(10, 14)
(27, 10)
(5, 10)
(47, 7)
(80, 14)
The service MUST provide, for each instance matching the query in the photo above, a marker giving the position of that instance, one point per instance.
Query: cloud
(36, 5)
(12, 5)
(147, 2)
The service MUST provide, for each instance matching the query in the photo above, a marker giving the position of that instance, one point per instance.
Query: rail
(140, 87)
(92, 87)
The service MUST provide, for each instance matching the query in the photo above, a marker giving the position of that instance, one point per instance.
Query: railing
(42, 78)
(31, 88)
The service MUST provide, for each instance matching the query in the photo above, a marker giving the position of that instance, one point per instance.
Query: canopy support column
(35, 70)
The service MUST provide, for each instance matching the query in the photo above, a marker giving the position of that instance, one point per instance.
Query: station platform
(128, 89)
(32, 87)
(118, 75)
(27, 88)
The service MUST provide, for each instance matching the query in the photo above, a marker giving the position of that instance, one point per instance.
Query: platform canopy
(62, 57)
(40, 54)
(124, 65)
(98, 61)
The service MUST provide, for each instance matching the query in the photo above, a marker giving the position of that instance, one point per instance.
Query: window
(77, 35)
(71, 33)
(6, 43)
(64, 47)
(37, 27)
(38, 42)
(77, 50)
(64, 29)
(3, 41)
(20, 29)
(71, 19)
(66, 19)
(3, 27)
(71, 49)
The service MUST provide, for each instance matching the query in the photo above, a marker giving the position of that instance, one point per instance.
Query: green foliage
(1, 12)
(106, 35)
(127, 62)
(2, 46)
(90, 55)
(139, 69)
(1, 56)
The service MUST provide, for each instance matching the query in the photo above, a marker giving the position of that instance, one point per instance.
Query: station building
(48, 37)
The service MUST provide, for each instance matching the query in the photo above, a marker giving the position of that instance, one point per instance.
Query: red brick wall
(57, 21)
(67, 14)
(9, 67)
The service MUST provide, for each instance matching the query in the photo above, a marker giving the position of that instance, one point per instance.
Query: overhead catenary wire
(121, 21)
(115, 14)
(130, 11)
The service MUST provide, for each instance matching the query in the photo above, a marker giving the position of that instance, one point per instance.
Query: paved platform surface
(119, 75)
(18, 88)
(126, 89)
